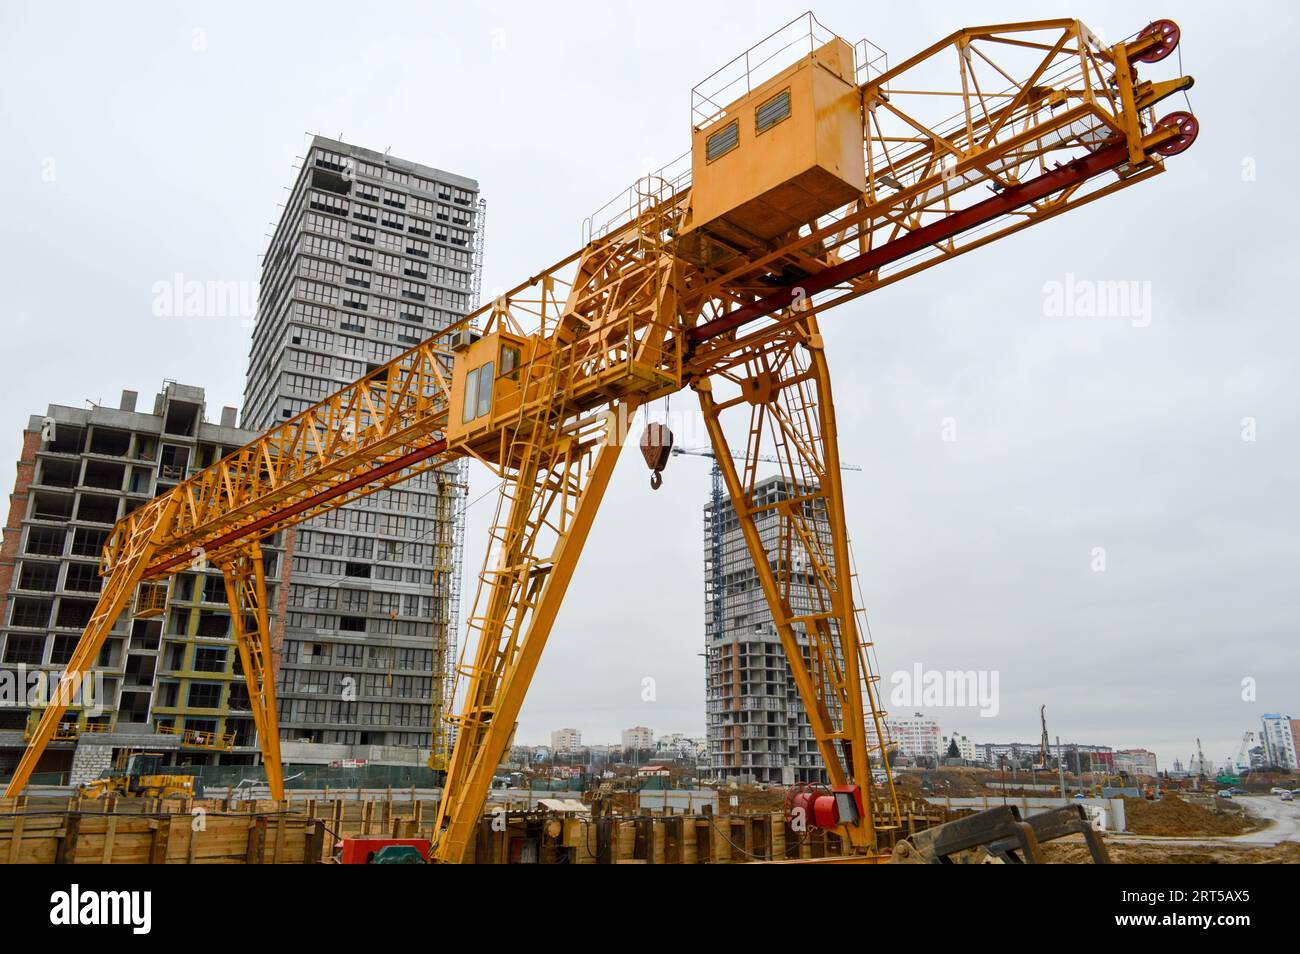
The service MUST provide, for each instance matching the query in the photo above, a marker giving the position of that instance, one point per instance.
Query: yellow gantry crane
(817, 174)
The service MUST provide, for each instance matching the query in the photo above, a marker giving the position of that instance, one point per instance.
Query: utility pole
(1060, 766)
(1043, 744)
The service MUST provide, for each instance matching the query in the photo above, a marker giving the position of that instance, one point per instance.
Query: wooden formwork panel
(201, 835)
(69, 829)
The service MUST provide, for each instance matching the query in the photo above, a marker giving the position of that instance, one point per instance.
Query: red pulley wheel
(1168, 32)
(1187, 127)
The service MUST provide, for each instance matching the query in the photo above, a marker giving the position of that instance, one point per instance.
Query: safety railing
(195, 738)
(798, 38)
(63, 732)
(654, 188)
(69, 730)
(869, 61)
(150, 600)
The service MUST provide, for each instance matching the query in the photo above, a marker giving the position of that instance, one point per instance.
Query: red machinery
(816, 806)
(362, 851)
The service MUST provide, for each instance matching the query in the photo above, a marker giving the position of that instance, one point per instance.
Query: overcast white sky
(136, 148)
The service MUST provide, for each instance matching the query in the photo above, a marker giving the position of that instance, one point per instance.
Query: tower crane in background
(1044, 746)
(1243, 763)
(817, 174)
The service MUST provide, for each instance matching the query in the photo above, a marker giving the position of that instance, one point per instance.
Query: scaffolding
(449, 548)
(480, 237)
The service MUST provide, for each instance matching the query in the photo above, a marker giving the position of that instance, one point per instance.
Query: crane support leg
(245, 576)
(134, 551)
(804, 568)
(548, 504)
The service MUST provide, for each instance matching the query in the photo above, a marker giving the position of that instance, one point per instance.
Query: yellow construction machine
(140, 775)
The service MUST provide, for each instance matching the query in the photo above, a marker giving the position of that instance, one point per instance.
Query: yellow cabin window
(482, 385)
(484, 389)
(468, 413)
(478, 393)
(510, 362)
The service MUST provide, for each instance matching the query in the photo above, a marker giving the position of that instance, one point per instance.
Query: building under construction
(169, 682)
(758, 730)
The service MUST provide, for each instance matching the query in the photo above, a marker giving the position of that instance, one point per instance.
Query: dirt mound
(1173, 816)
(1071, 852)
(752, 798)
(955, 781)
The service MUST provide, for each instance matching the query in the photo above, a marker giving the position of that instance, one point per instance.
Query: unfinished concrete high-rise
(170, 683)
(757, 728)
(372, 255)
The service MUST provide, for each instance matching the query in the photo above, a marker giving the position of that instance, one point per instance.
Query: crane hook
(656, 446)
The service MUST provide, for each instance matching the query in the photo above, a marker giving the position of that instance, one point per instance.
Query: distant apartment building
(681, 746)
(1136, 762)
(566, 741)
(638, 737)
(1091, 757)
(1015, 753)
(1088, 758)
(757, 728)
(915, 737)
(1279, 738)
(372, 255)
(170, 682)
(1256, 758)
(965, 747)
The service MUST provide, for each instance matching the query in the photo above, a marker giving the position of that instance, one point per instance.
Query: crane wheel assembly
(1187, 127)
(1167, 35)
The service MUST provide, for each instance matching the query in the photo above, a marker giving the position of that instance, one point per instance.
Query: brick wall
(89, 762)
(13, 529)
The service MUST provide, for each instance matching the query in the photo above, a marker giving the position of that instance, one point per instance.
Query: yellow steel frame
(987, 132)
(805, 573)
(245, 576)
(134, 551)
(545, 511)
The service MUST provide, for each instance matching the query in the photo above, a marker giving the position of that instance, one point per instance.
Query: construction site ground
(1255, 829)
(1174, 829)
(1174, 852)
(1172, 816)
(956, 782)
